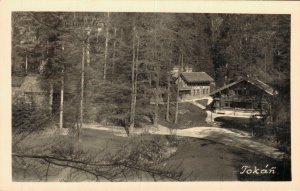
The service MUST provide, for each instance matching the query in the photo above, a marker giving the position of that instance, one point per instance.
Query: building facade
(243, 97)
(194, 85)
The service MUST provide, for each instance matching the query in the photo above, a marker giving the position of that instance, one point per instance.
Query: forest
(112, 63)
(112, 68)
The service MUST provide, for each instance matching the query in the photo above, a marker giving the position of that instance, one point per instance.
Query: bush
(151, 151)
(274, 134)
(26, 116)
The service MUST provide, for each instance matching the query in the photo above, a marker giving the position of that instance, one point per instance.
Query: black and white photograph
(137, 96)
(149, 95)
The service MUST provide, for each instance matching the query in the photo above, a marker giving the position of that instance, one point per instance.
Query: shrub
(26, 116)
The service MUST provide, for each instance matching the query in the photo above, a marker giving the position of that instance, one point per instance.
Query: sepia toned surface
(182, 128)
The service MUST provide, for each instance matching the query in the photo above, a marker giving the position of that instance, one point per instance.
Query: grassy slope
(189, 115)
(202, 102)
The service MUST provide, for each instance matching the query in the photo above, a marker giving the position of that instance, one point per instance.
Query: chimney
(188, 69)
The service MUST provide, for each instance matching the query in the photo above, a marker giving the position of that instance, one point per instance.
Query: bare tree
(106, 48)
(157, 71)
(50, 97)
(62, 90)
(178, 86)
(134, 76)
(61, 108)
(82, 91)
(168, 93)
(114, 51)
(26, 64)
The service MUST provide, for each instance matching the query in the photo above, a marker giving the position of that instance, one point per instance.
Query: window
(227, 104)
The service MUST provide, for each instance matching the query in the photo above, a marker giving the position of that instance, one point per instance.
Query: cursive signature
(255, 170)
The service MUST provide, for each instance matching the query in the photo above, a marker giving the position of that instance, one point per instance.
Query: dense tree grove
(110, 66)
(115, 69)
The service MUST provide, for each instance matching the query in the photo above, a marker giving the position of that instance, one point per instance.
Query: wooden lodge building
(244, 97)
(194, 85)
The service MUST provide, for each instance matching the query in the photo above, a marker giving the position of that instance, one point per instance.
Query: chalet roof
(32, 84)
(196, 77)
(261, 85)
(17, 81)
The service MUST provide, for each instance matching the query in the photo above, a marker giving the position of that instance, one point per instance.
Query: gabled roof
(32, 84)
(196, 77)
(261, 85)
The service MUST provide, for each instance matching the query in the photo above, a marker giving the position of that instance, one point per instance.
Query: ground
(203, 151)
(199, 159)
(189, 115)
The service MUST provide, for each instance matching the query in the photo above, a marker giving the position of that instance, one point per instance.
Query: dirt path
(237, 139)
(210, 116)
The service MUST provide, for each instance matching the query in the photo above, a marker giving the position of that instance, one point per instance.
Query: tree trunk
(135, 80)
(26, 64)
(114, 52)
(50, 97)
(132, 85)
(88, 51)
(62, 88)
(82, 91)
(61, 108)
(265, 65)
(150, 77)
(156, 98)
(157, 85)
(177, 93)
(106, 48)
(168, 97)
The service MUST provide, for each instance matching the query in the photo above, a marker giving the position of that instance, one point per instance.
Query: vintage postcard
(150, 94)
